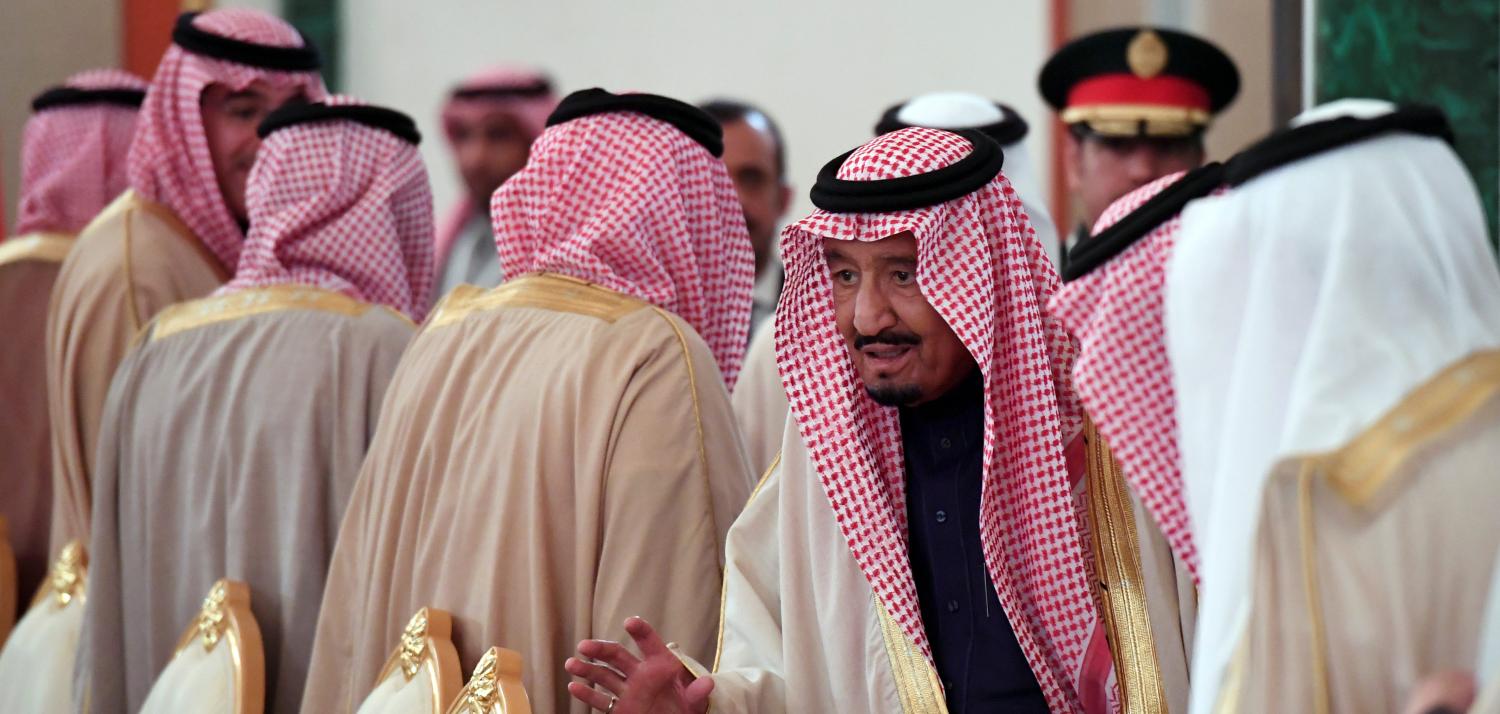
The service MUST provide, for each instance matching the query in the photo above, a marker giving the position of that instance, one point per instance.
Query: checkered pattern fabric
(73, 157)
(169, 160)
(1123, 375)
(340, 206)
(981, 267)
(633, 204)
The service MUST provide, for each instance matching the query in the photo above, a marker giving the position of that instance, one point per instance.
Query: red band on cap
(1164, 90)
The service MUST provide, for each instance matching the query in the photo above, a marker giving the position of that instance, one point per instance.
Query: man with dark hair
(756, 159)
(1137, 102)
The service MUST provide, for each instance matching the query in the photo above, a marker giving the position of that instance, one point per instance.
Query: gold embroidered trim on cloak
(1361, 469)
(1311, 589)
(1121, 589)
(724, 585)
(129, 271)
(42, 247)
(178, 229)
(124, 207)
(546, 291)
(687, 360)
(916, 681)
(211, 310)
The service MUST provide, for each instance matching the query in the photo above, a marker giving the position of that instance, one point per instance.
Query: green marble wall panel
(1440, 52)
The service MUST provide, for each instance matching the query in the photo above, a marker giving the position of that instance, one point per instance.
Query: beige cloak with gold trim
(232, 439)
(552, 458)
(28, 268)
(133, 260)
(1372, 562)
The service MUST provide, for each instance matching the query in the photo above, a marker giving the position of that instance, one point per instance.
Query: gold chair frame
(495, 687)
(226, 619)
(428, 637)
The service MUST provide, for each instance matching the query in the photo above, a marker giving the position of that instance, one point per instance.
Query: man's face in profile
(230, 119)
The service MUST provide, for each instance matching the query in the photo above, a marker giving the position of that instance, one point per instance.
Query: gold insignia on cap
(1146, 54)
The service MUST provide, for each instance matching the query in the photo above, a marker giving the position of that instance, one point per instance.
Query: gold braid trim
(1121, 589)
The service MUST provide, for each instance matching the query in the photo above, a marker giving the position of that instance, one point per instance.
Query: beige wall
(824, 70)
(1243, 29)
(41, 43)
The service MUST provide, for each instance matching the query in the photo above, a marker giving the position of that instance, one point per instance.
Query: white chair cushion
(396, 695)
(36, 666)
(196, 680)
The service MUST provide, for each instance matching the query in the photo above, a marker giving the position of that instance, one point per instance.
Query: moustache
(895, 339)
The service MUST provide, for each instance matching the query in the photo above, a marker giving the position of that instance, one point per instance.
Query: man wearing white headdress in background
(962, 110)
(759, 401)
(1333, 326)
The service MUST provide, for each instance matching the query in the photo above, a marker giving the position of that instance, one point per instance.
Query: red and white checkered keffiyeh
(529, 111)
(340, 206)
(633, 204)
(1122, 374)
(73, 157)
(169, 160)
(981, 267)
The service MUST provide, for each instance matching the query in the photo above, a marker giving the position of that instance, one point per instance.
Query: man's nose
(1143, 164)
(872, 310)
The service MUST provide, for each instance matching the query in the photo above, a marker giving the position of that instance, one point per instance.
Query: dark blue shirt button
(946, 443)
(952, 606)
(942, 516)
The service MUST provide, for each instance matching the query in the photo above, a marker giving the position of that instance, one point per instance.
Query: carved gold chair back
(36, 660)
(219, 666)
(495, 687)
(423, 674)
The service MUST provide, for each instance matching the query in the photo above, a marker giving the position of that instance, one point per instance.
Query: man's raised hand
(625, 684)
